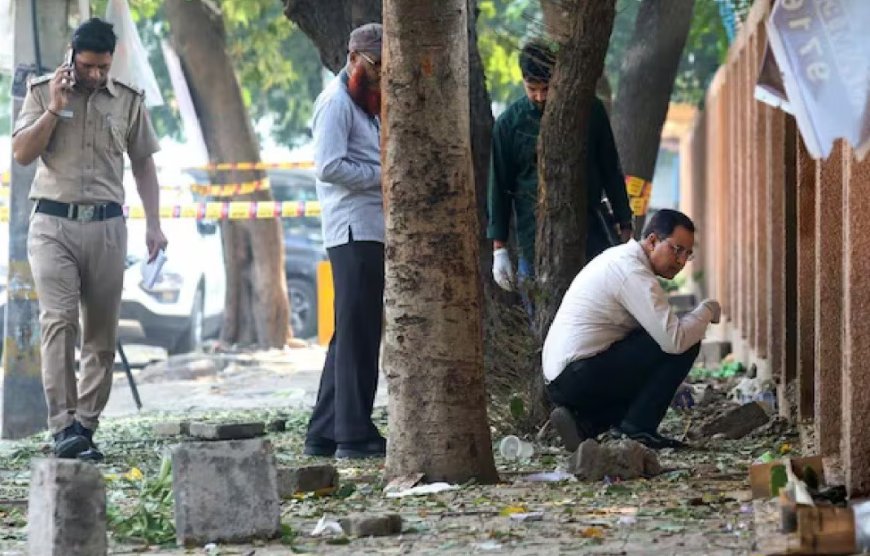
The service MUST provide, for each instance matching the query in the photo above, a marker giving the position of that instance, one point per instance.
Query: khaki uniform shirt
(84, 160)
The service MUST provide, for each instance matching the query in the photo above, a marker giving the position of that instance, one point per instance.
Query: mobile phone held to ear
(69, 81)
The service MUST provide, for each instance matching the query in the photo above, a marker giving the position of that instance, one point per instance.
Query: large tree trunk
(328, 24)
(646, 81)
(561, 219)
(433, 345)
(257, 307)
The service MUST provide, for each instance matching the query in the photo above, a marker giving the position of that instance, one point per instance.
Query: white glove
(502, 270)
(715, 309)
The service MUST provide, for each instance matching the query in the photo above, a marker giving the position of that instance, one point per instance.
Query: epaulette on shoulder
(34, 81)
(137, 90)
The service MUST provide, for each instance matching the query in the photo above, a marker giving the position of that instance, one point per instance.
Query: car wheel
(191, 339)
(303, 307)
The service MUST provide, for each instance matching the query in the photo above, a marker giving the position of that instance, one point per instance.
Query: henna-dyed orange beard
(362, 93)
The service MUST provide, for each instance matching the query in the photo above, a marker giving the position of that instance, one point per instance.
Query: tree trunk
(433, 344)
(257, 309)
(328, 24)
(561, 219)
(646, 81)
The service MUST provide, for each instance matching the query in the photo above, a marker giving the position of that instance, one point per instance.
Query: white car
(186, 304)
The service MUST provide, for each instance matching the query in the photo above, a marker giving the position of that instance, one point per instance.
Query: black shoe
(361, 450)
(69, 443)
(569, 430)
(651, 439)
(322, 448)
(90, 453)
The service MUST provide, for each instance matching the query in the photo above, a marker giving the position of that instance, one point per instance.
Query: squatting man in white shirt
(616, 353)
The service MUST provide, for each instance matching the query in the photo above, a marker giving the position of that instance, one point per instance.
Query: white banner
(822, 48)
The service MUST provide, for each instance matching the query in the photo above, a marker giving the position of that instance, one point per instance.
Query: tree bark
(433, 344)
(328, 24)
(561, 218)
(646, 81)
(257, 309)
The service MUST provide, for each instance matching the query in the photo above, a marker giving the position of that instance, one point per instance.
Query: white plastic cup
(512, 448)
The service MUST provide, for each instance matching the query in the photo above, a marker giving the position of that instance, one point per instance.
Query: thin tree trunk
(561, 218)
(433, 345)
(646, 81)
(257, 308)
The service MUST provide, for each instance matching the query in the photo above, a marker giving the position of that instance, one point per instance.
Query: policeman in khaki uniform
(78, 124)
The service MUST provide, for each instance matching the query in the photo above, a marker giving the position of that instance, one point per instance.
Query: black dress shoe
(651, 439)
(376, 448)
(69, 443)
(90, 453)
(322, 448)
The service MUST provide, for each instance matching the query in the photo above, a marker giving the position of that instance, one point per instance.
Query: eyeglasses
(679, 251)
(376, 65)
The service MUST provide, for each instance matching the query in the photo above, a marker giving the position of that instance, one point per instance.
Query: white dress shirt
(615, 294)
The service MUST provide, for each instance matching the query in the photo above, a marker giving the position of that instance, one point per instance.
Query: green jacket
(513, 175)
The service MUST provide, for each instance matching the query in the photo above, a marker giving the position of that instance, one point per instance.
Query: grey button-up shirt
(347, 162)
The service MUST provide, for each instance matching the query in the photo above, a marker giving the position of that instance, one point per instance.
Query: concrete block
(626, 459)
(166, 429)
(682, 303)
(311, 478)
(713, 352)
(277, 425)
(371, 525)
(226, 431)
(225, 491)
(738, 422)
(66, 514)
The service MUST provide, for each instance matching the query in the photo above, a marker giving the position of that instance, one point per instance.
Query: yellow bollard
(325, 303)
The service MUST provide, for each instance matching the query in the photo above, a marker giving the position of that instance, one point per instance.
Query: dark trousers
(630, 384)
(343, 412)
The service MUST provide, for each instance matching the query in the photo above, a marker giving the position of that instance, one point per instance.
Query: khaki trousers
(77, 264)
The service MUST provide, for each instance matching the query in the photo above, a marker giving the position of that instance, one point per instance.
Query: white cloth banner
(130, 62)
(822, 48)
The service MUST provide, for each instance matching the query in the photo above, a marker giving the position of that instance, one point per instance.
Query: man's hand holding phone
(61, 85)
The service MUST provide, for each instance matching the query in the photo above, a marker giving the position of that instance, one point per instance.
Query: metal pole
(24, 411)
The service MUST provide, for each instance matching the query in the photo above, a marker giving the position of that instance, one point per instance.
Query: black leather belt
(82, 213)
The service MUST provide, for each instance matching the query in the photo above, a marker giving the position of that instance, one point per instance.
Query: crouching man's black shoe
(90, 453)
(650, 439)
(376, 448)
(69, 442)
(319, 447)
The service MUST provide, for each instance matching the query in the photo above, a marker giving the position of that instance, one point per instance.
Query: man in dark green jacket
(513, 178)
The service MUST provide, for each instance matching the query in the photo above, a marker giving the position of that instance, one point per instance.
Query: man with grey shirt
(348, 165)
(616, 352)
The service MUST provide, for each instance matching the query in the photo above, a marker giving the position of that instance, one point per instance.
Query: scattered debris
(227, 431)
(737, 422)
(370, 525)
(327, 527)
(422, 490)
(529, 516)
(404, 483)
(512, 448)
(626, 459)
(321, 479)
(548, 477)
(166, 429)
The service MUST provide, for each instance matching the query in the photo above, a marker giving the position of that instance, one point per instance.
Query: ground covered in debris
(699, 504)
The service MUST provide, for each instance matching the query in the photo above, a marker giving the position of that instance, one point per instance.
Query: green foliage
(277, 67)
(503, 26)
(150, 519)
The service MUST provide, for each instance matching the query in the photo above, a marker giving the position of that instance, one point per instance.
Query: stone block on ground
(682, 303)
(66, 514)
(627, 459)
(371, 525)
(713, 352)
(225, 491)
(737, 422)
(277, 425)
(312, 478)
(227, 431)
(171, 428)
